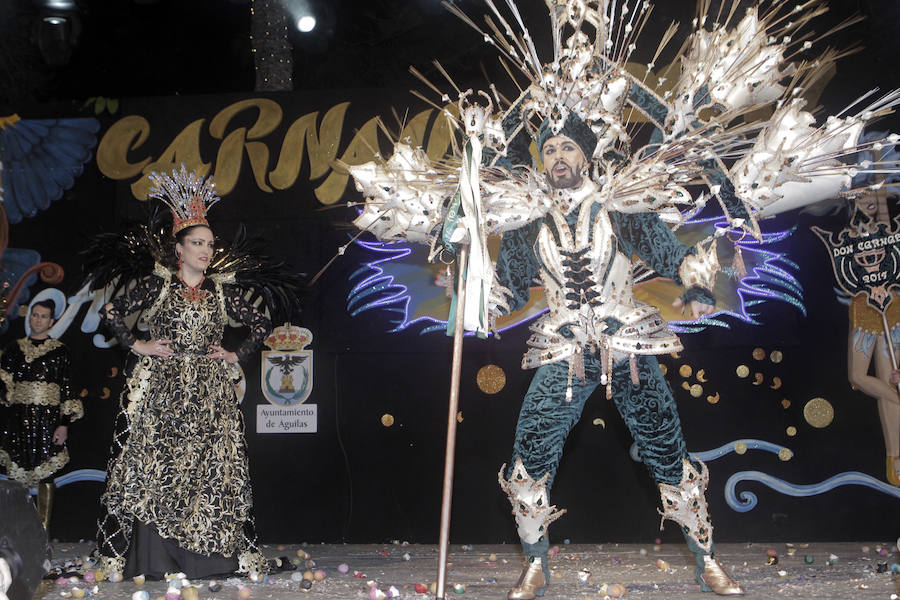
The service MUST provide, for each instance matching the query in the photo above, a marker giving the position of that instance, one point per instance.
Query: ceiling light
(306, 23)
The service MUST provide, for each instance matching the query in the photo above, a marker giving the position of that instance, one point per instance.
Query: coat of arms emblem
(287, 375)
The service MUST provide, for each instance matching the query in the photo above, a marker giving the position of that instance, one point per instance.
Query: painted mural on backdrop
(286, 380)
(865, 261)
(40, 159)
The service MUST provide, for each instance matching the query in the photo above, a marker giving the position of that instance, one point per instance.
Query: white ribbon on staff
(479, 270)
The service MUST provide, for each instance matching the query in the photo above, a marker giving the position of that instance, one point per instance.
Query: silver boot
(686, 505)
(533, 513)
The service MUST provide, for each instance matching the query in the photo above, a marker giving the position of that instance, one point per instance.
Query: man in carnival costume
(39, 407)
(596, 334)
(599, 199)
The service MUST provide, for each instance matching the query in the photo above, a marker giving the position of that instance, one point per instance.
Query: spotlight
(312, 24)
(306, 23)
(57, 30)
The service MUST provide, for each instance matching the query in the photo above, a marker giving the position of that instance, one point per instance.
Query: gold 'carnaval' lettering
(364, 145)
(414, 132)
(185, 148)
(361, 149)
(320, 153)
(126, 134)
(441, 134)
(230, 156)
(320, 146)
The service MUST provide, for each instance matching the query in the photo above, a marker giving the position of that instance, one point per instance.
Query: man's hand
(60, 435)
(698, 309)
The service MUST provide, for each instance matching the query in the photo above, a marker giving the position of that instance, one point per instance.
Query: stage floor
(582, 571)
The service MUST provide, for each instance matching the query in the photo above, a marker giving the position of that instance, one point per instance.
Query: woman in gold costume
(867, 342)
(871, 350)
(178, 495)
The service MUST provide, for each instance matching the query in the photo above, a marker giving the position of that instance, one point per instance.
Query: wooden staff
(453, 409)
(882, 215)
(890, 343)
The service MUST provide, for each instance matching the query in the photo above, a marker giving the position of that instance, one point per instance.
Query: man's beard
(571, 179)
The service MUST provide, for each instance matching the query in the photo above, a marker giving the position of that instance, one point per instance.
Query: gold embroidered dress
(180, 461)
(36, 398)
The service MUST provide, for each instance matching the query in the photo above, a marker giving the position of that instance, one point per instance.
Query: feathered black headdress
(277, 282)
(119, 258)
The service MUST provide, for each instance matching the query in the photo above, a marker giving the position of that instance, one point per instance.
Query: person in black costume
(39, 407)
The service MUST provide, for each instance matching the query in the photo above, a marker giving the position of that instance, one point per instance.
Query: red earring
(180, 262)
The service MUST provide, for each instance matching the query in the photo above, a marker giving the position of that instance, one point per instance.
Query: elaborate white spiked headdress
(187, 195)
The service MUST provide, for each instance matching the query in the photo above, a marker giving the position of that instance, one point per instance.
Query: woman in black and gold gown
(178, 496)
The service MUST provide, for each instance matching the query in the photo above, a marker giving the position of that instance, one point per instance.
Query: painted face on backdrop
(564, 162)
(41, 320)
(868, 205)
(197, 249)
(869, 210)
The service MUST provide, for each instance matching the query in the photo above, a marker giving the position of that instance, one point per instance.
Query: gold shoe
(532, 581)
(717, 580)
(892, 477)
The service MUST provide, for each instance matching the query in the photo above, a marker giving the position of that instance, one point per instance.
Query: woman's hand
(220, 352)
(153, 348)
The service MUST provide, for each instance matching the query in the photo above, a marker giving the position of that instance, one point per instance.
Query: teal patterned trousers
(648, 409)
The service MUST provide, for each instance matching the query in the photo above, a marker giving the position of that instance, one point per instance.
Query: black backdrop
(356, 480)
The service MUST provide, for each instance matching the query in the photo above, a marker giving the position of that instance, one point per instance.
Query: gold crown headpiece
(187, 195)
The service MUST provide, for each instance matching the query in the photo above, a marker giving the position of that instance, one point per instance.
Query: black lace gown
(178, 495)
